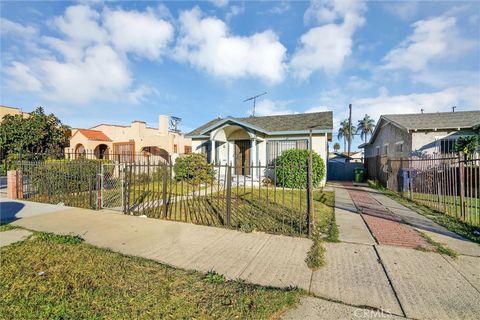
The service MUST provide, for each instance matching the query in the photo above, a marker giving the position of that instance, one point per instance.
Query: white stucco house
(258, 141)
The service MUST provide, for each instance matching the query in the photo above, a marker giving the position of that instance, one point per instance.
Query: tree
(466, 144)
(336, 146)
(345, 132)
(365, 127)
(37, 133)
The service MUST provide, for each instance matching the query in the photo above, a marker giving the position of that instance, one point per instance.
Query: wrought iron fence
(214, 195)
(447, 183)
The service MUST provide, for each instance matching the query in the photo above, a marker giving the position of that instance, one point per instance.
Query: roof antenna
(421, 110)
(254, 98)
(174, 122)
(453, 108)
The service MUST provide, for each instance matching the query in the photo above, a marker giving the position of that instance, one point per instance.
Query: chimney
(163, 124)
(138, 127)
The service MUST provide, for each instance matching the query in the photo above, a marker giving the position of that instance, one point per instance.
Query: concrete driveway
(11, 210)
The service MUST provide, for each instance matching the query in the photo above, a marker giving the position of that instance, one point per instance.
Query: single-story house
(125, 143)
(343, 157)
(398, 135)
(258, 141)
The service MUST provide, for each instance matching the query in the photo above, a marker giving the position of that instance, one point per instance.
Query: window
(275, 148)
(399, 147)
(175, 148)
(447, 145)
(377, 151)
(385, 149)
(188, 149)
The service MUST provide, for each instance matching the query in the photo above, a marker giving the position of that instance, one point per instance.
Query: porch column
(253, 158)
(212, 151)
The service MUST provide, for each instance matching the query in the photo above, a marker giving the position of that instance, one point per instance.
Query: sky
(92, 62)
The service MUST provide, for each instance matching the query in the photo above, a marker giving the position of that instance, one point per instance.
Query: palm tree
(365, 126)
(336, 147)
(345, 133)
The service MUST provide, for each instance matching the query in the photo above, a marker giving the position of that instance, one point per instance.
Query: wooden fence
(447, 183)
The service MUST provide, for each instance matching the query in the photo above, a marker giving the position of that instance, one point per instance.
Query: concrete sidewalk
(358, 273)
(352, 275)
(427, 285)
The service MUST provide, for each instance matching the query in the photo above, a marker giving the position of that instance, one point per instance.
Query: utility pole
(349, 127)
(453, 108)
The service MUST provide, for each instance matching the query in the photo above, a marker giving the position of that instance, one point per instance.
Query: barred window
(275, 148)
(447, 145)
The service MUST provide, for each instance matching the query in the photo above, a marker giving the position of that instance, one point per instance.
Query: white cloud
(21, 78)
(466, 98)
(140, 32)
(205, 42)
(80, 24)
(282, 7)
(10, 27)
(326, 47)
(267, 107)
(102, 74)
(219, 3)
(405, 10)
(234, 11)
(431, 39)
(89, 61)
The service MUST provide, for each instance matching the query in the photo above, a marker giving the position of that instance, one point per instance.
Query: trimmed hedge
(291, 169)
(194, 167)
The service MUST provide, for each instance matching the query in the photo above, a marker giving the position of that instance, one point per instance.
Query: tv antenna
(174, 122)
(453, 108)
(254, 98)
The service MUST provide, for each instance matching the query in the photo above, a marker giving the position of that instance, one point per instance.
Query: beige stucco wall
(4, 110)
(140, 134)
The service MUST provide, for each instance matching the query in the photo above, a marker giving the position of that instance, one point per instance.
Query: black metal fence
(447, 183)
(214, 195)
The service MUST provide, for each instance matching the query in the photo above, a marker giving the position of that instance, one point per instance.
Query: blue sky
(93, 62)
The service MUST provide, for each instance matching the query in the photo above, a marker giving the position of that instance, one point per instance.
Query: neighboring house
(400, 135)
(124, 143)
(343, 157)
(243, 142)
(4, 110)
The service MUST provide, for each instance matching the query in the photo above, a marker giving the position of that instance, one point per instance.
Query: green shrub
(194, 168)
(291, 169)
(63, 176)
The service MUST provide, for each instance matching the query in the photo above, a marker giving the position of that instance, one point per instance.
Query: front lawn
(278, 211)
(59, 277)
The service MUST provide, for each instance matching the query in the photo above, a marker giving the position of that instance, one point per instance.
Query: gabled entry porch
(236, 146)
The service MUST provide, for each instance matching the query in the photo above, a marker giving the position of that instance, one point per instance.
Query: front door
(242, 157)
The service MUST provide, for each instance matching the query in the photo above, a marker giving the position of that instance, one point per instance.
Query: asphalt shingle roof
(439, 120)
(288, 122)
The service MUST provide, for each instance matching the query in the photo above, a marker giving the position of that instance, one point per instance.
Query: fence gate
(112, 186)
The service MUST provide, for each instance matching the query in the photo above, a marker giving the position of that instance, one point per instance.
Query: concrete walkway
(11, 236)
(427, 285)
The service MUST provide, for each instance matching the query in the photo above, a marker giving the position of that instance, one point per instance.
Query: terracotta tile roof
(94, 135)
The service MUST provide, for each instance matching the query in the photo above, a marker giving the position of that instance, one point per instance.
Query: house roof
(429, 121)
(279, 123)
(439, 120)
(94, 135)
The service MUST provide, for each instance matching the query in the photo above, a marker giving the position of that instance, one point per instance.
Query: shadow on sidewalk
(9, 211)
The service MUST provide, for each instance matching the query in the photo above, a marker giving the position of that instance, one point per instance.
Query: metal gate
(112, 180)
